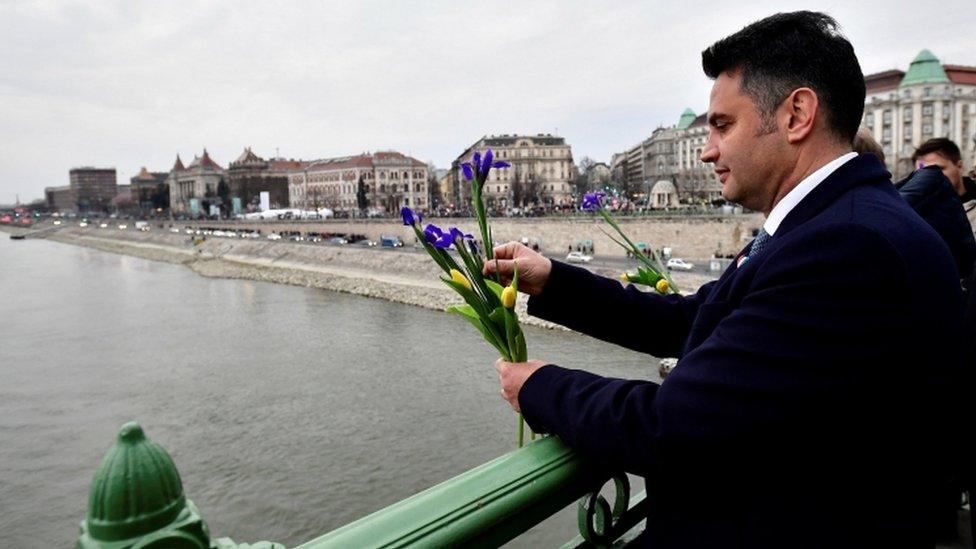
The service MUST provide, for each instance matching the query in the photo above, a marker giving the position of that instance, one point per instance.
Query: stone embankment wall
(404, 276)
(689, 237)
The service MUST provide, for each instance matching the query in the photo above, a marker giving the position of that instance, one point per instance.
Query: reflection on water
(289, 411)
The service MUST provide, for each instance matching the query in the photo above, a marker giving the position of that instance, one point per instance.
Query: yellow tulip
(456, 276)
(625, 277)
(662, 286)
(508, 297)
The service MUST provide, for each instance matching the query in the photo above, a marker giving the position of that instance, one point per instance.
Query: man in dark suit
(814, 396)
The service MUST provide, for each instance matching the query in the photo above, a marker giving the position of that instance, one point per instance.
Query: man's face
(952, 170)
(750, 154)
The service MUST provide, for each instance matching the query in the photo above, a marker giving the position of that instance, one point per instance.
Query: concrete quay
(691, 237)
(404, 275)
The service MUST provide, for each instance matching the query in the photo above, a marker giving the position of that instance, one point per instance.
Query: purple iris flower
(457, 234)
(437, 237)
(592, 201)
(410, 217)
(479, 167)
(487, 165)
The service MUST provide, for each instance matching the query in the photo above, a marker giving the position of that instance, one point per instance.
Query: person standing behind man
(945, 154)
(795, 416)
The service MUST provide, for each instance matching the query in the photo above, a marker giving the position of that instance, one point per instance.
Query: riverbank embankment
(400, 275)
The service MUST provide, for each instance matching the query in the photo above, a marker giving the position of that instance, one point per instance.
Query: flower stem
(521, 431)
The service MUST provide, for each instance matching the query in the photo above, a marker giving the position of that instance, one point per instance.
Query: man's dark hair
(940, 145)
(786, 51)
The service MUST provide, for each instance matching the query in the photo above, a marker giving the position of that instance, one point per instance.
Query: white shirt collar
(792, 198)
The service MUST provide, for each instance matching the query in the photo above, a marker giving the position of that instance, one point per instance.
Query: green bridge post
(137, 501)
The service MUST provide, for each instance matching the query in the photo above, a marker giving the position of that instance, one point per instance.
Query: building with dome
(903, 109)
(671, 153)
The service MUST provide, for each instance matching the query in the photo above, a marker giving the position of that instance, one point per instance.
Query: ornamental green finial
(136, 501)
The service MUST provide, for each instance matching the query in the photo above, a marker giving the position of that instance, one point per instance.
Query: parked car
(578, 257)
(338, 240)
(680, 264)
(391, 242)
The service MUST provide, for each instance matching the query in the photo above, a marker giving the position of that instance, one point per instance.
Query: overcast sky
(130, 84)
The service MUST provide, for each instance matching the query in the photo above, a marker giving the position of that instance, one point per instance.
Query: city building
(438, 187)
(660, 167)
(903, 109)
(598, 175)
(670, 162)
(541, 171)
(450, 190)
(194, 188)
(695, 180)
(60, 199)
(93, 188)
(149, 190)
(250, 175)
(390, 181)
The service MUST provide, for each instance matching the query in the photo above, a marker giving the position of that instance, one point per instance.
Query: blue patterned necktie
(759, 242)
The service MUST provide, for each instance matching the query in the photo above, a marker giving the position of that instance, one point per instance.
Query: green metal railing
(484, 507)
(494, 503)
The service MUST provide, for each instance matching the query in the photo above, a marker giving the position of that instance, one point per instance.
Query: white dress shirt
(792, 198)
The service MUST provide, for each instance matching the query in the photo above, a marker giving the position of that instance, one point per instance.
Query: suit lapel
(860, 170)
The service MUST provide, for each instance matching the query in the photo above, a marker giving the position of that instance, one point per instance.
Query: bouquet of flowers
(652, 273)
(488, 306)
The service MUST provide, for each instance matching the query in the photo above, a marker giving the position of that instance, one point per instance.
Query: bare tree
(532, 190)
(517, 188)
(434, 197)
(361, 200)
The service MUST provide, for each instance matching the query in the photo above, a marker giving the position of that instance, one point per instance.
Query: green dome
(136, 489)
(686, 119)
(925, 69)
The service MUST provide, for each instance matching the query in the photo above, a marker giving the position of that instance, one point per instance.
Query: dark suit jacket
(814, 392)
(936, 201)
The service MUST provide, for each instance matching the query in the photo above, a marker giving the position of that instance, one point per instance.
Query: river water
(288, 411)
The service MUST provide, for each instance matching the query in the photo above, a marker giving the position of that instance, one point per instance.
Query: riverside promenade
(403, 275)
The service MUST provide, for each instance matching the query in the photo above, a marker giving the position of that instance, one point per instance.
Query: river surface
(288, 411)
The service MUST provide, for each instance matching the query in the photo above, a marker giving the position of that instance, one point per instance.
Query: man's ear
(802, 108)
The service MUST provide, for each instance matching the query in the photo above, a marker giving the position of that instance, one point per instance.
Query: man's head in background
(941, 152)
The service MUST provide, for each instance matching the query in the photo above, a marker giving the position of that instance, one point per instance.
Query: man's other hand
(534, 268)
(512, 376)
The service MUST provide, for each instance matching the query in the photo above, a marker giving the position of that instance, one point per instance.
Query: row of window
(351, 175)
(297, 189)
(501, 188)
(907, 113)
(927, 92)
(523, 153)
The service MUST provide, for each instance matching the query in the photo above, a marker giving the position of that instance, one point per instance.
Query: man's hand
(513, 375)
(534, 268)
